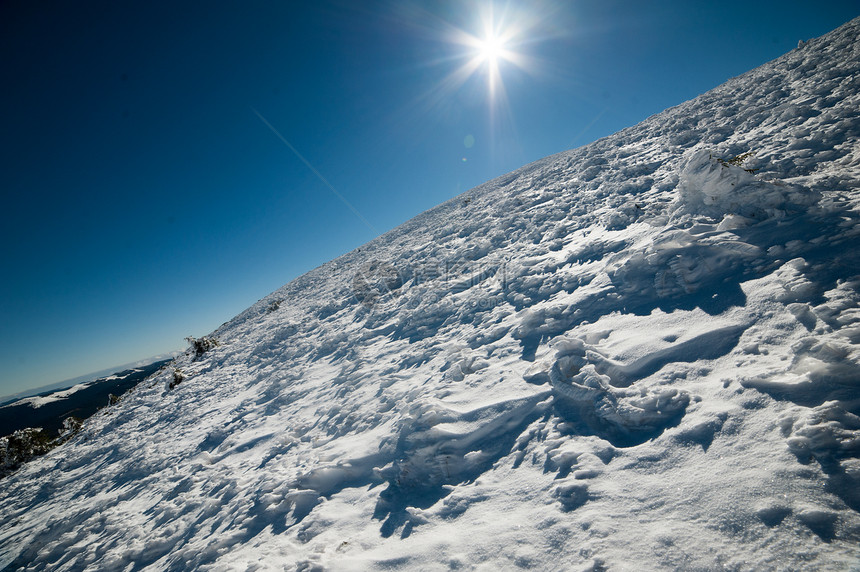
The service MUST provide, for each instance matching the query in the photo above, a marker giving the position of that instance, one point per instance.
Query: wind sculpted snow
(638, 354)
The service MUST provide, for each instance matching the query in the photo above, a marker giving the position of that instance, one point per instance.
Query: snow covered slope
(633, 355)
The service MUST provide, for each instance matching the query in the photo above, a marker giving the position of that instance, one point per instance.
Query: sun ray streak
(315, 172)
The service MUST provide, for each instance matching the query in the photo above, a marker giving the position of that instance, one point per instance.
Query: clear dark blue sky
(144, 198)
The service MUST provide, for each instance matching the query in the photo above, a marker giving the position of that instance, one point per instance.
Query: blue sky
(147, 198)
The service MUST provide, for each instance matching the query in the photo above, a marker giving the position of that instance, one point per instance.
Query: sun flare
(491, 48)
(490, 52)
(495, 46)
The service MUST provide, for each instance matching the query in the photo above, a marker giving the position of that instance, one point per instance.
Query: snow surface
(632, 355)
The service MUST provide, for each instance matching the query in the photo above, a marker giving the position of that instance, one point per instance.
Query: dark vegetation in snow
(200, 346)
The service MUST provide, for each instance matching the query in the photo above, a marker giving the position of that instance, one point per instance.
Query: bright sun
(491, 49)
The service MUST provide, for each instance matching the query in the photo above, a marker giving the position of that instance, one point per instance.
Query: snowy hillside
(633, 355)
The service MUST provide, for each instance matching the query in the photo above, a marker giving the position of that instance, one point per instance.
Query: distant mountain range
(49, 409)
(66, 383)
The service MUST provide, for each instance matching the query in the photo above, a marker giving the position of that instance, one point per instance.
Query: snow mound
(618, 415)
(718, 189)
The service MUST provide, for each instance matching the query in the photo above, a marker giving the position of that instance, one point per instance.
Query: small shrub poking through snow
(21, 446)
(738, 161)
(178, 377)
(201, 345)
(71, 425)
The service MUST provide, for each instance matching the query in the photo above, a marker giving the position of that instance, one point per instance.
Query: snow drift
(639, 354)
